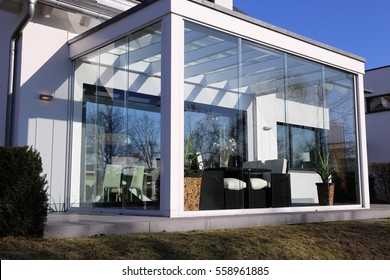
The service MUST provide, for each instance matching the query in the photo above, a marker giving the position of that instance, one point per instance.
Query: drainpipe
(10, 110)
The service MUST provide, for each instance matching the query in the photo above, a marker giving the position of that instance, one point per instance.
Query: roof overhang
(215, 16)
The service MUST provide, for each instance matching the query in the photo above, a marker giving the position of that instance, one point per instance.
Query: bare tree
(145, 135)
(107, 123)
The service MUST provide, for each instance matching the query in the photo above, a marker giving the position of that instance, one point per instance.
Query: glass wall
(120, 85)
(213, 119)
(259, 124)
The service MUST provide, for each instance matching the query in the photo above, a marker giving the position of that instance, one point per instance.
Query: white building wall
(377, 124)
(41, 124)
(378, 137)
(378, 80)
(43, 68)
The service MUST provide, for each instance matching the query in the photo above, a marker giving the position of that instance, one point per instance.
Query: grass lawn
(353, 240)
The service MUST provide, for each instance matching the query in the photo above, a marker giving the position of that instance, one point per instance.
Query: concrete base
(81, 225)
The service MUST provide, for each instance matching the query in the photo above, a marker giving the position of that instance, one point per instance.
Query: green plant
(23, 196)
(323, 167)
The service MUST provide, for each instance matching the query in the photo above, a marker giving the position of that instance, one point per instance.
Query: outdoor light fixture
(266, 128)
(45, 97)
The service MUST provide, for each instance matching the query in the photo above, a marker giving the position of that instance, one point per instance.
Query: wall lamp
(267, 128)
(45, 97)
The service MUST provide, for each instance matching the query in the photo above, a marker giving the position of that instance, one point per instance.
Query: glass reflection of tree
(145, 136)
(106, 137)
(111, 138)
(206, 129)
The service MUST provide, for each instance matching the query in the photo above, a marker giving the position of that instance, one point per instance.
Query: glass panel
(301, 146)
(304, 83)
(121, 122)
(319, 131)
(247, 108)
(214, 120)
(211, 92)
(306, 116)
(262, 82)
(341, 135)
(211, 62)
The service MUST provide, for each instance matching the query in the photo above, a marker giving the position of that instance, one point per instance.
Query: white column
(364, 183)
(172, 115)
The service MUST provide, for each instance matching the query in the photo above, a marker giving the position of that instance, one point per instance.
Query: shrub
(381, 180)
(23, 196)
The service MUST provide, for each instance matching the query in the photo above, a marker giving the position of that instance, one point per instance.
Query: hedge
(23, 194)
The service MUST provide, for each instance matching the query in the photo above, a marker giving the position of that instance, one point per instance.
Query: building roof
(236, 13)
(378, 68)
(106, 7)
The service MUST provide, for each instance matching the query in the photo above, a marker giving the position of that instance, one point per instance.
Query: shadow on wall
(44, 124)
(51, 79)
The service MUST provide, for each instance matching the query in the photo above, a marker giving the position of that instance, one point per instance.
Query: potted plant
(226, 148)
(192, 178)
(325, 189)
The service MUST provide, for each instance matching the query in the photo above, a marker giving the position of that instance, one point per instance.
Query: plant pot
(325, 193)
(192, 187)
(225, 163)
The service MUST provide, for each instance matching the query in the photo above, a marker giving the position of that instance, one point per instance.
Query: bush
(23, 196)
(380, 181)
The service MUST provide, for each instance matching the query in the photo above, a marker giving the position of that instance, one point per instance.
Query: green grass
(352, 240)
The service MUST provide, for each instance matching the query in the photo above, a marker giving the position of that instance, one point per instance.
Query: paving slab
(81, 224)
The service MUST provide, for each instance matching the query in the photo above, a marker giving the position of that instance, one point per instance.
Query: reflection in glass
(252, 104)
(121, 122)
(302, 146)
(304, 81)
(212, 107)
(244, 105)
(341, 137)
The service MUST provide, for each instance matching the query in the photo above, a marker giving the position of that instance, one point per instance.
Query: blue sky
(361, 27)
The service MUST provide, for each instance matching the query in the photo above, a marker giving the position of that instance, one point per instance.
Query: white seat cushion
(258, 183)
(234, 184)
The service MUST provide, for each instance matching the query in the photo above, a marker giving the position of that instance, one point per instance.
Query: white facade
(55, 128)
(377, 80)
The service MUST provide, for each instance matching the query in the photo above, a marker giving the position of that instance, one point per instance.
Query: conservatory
(187, 108)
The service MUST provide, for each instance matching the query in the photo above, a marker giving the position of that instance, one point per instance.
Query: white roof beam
(229, 74)
(201, 53)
